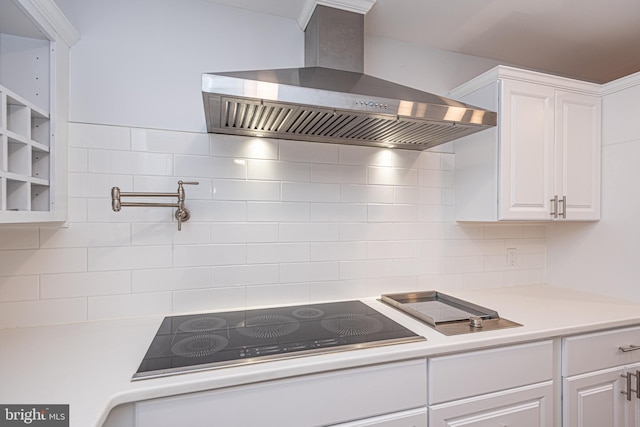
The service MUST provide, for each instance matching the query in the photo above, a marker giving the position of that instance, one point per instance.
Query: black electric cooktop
(213, 340)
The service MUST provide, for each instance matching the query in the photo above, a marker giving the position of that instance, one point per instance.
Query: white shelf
(24, 155)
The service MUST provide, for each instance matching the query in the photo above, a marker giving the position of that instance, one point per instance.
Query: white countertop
(89, 365)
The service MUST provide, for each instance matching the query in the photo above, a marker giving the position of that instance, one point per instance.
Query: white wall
(273, 222)
(603, 257)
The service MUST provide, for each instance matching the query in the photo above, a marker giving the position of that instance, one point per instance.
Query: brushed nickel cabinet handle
(631, 347)
(554, 204)
(563, 211)
(628, 389)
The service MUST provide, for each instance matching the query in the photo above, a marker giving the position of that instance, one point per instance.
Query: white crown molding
(621, 84)
(357, 6)
(49, 18)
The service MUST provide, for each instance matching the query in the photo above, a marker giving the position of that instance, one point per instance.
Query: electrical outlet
(512, 257)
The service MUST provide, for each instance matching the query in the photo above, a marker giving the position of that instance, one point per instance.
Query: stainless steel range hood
(331, 100)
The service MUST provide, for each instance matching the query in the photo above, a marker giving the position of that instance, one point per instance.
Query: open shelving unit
(35, 38)
(24, 155)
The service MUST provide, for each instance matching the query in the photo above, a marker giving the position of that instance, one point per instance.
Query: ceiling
(593, 40)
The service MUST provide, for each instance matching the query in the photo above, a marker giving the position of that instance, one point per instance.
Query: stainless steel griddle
(447, 314)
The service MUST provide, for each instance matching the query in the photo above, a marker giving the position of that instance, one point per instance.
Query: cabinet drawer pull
(631, 347)
(554, 207)
(628, 389)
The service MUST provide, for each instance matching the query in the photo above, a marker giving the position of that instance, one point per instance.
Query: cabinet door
(578, 154)
(595, 399)
(526, 151)
(530, 406)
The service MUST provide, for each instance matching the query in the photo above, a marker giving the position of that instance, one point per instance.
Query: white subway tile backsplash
(99, 137)
(97, 185)
(277, 212)
(338, 212)
(309, 232)
(205, 300)
(19, 238)
(78, 210)
(308, 152)
(267, 253)
(309, 271)
(392, 176)
(337, 251)
(246, 190)
(338, 174)
(169, 279)
(213, 254)
(366, 194)
(210, 167)
(272, 222)
(270, 170)
(339, 290)
(392, 249)
(72, 285)
(19, 288)
(362, 231)
(130, 162)
(41, 261)
(154, 234)
(392, 213)
(149, 140)
(366, 156)
(128, 257)
(244, 232)
(435, 178)
(243, 275)
(241, 147)
(78, 160)
(217, 211)
(82, 235)
(281, 294)
(406, 195)
(131, 305)
(310, 192)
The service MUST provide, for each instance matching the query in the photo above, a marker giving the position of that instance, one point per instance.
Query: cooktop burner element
(214, 340)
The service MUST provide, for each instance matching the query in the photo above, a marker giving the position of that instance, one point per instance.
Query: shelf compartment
(18, 157)
(17, 195)
(40, 200)
(18, 117)
(39, 163)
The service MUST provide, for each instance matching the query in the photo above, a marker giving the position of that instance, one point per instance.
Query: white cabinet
(34, 90)
(542, 161)
(601, 390)
(389, 395)
(510, 385)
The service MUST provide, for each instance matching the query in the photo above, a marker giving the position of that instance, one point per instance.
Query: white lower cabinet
(509, 386)
(389, 395)
(600, 380)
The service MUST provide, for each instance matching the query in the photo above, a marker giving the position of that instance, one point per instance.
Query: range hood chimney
(331, 100)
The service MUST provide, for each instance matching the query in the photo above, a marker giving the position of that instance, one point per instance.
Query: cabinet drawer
(600, 350)
(530, 406)
(321, 399)
(479, 372)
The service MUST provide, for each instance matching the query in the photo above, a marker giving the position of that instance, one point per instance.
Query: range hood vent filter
(248, 117)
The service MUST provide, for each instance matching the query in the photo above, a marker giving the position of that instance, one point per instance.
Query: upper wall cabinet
(542, 161)
(35, 38)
